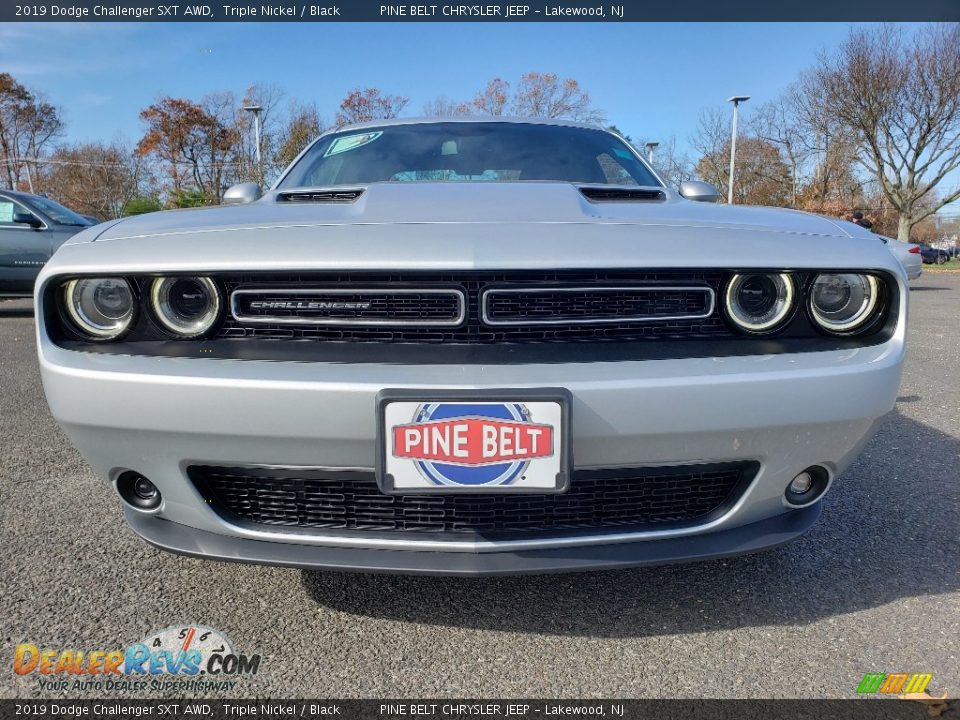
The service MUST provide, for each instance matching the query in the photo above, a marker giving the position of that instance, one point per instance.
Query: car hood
(470, 227)
(469, 203)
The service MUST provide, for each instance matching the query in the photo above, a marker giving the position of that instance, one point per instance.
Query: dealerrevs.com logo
(190, 658)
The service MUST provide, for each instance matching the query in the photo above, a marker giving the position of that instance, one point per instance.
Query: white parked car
(471, 347)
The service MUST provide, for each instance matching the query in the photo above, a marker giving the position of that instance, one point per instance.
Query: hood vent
(619, 194)
(319, 196)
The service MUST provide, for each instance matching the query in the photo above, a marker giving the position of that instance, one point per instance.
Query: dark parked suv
(31, 228)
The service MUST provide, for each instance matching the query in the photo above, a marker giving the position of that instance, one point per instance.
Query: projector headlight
(843, 302)
(759, 302)
(100, 308)
(186, 306)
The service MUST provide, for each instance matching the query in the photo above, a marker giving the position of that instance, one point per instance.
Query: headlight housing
(186, 306)
(843, 303)
(759, 302)
(100, 308)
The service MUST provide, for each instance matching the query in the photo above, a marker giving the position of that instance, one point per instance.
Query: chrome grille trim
(347, 321)
(707, 291)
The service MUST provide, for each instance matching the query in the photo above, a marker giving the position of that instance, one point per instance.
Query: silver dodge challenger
(471, 347)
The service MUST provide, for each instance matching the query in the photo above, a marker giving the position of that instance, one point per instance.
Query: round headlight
(186, 306)
(101, 308)
(843, 302)
(759, 302)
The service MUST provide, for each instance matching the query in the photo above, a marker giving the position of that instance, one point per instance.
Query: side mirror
(242, 193)
(27, 219)
(699, 191)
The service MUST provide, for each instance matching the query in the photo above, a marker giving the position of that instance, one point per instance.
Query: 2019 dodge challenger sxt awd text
(471, 347)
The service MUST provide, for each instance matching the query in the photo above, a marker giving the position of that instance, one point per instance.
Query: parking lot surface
(875, 586)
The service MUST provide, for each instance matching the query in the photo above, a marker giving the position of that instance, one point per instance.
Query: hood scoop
(620, 194)
(320, 196)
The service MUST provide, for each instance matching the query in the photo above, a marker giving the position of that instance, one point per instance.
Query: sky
(651, 80)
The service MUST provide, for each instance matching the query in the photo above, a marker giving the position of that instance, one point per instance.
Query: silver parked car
(908, 254)
(32, 227)
(471, 347)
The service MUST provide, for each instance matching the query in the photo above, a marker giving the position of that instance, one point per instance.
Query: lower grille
(617, 499)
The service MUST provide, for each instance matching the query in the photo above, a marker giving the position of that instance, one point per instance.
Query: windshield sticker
(351, 142)
(622, 153)
(6, 212)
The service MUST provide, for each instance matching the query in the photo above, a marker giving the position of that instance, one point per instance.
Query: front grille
(618, 499)
(357, 306)
(594, 304)
(659, 311)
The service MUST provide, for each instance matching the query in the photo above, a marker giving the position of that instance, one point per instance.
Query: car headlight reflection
(186, 306)
(843, 302)
(101, 308)
(759, 302)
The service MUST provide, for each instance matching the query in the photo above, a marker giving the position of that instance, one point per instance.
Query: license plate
(499, 441)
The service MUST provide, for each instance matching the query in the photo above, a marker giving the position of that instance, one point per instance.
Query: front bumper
(158, 416)
(768, 533)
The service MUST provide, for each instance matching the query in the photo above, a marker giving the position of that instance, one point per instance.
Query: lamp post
(256, 110)
(651, 146)
(736, 100)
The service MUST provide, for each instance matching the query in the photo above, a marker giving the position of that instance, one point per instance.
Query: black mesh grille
(589, 304)
(616, 499)
(474, 331)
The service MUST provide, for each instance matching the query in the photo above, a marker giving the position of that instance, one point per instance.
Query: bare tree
(782, 122)
(303, 126)
(901, 98)
(493, 99)
(546, 95)
(369, 104)
(28, 125)
(709, 140)
(95, 178)
(443, 106)
(673, 166)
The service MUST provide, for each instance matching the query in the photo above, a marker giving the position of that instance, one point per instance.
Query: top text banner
(611, 11)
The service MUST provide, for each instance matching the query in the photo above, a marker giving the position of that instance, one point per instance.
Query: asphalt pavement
(875, 586)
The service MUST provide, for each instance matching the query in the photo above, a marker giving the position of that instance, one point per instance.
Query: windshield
(57, 212)
(469, 152)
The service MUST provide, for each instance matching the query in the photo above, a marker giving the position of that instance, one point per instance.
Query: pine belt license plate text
(488, 443)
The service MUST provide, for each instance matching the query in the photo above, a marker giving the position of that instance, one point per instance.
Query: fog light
(138, 491)
(801, 483)
(145, 489)
(807, 487)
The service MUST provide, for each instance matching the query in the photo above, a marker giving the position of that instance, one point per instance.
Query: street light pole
(736, 100)
(651, 146)
(256, 110)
